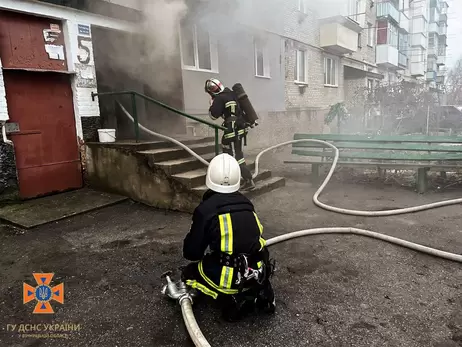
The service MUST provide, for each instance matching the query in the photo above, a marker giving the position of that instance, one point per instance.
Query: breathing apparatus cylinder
(249, 113)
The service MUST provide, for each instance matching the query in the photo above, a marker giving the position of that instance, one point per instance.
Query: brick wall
(366, 52)
(316, 94)
(302, 32)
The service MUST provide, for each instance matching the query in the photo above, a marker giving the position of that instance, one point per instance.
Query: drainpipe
(5, 139)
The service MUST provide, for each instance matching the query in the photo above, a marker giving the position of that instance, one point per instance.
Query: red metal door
(47, 155)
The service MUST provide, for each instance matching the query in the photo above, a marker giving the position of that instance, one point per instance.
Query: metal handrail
(145, 97)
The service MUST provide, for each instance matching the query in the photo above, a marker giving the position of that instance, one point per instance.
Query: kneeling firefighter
(236, 271)
(238, 114)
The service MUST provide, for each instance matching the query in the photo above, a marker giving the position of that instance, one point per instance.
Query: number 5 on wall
(84, 44)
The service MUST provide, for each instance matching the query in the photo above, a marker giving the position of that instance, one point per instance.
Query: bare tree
(454, 84)
(397, 108)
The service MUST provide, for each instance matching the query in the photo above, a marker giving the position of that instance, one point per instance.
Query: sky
(454, 49)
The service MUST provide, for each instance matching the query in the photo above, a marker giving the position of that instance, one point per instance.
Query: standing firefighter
(229, 104)
(237, 270)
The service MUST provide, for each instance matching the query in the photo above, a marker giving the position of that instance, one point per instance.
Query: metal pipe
(5, 139)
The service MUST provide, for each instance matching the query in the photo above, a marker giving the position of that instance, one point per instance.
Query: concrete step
(195, 178)
(265, 184)
(173, 153)
(177, 166)
(149, 145)
(201, 188)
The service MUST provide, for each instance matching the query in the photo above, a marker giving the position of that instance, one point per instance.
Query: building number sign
(84, 44)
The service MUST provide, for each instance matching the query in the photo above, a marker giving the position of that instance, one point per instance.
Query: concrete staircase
(183, 167)
(180, 176)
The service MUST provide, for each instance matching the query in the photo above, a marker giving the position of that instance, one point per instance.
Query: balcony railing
(444, 8)
(387, 9)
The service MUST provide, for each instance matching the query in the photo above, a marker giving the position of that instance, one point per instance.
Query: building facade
(295, 59)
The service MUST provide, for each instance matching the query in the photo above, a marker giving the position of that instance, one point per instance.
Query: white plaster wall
(3, 107)
(81, 62)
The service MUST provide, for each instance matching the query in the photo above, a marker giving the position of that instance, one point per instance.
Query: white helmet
(223, 174)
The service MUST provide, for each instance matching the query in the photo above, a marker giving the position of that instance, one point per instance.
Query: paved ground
(331, 290)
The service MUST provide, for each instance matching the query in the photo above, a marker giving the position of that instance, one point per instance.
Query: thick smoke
(145, 57)
(160, 29)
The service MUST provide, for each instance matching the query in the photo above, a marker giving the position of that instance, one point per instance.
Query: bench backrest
(382, 147)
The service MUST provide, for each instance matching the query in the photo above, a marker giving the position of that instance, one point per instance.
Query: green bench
(420, 152)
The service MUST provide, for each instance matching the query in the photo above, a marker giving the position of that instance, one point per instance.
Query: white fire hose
(186, 302)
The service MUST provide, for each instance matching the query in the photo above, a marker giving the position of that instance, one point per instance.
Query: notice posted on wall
(55, 52)
(52, 34)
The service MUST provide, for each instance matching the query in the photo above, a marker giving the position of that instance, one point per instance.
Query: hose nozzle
(174, 291)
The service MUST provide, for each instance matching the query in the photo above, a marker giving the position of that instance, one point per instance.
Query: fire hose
(185, 299)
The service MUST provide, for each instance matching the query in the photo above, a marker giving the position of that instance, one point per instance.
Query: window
(302, 6)
(359, 40)
(354, 9)
(196, 48)
(403, 43)
(370, 34)
(330, 72)
(393, 37)
(300, 66)
(387, 33)
(382, 27)
(262, 68)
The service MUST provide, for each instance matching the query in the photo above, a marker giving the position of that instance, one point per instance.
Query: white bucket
(106, 135)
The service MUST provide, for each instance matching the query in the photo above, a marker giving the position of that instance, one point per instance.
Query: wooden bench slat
(381, 155)
(435, 167)
(380, 138)
(385, 146)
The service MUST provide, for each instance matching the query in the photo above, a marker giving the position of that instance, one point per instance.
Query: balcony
(419, 10)
(402, 60)
(404, 22)
(387, 56)
(441, 72)
(430, 75)
(419, 39)
(441, 60)
(418, 69)
(432, 52)
(436, 4)
(387, 9)
(443, 29)
(444, 11)
(433, 27)
(339, 35)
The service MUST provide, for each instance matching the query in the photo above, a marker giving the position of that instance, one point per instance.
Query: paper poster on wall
(55, 52)
(50, 35)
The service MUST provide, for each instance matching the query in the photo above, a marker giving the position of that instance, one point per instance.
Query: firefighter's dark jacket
(205, 228)
(227, 223)
(218, 108)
